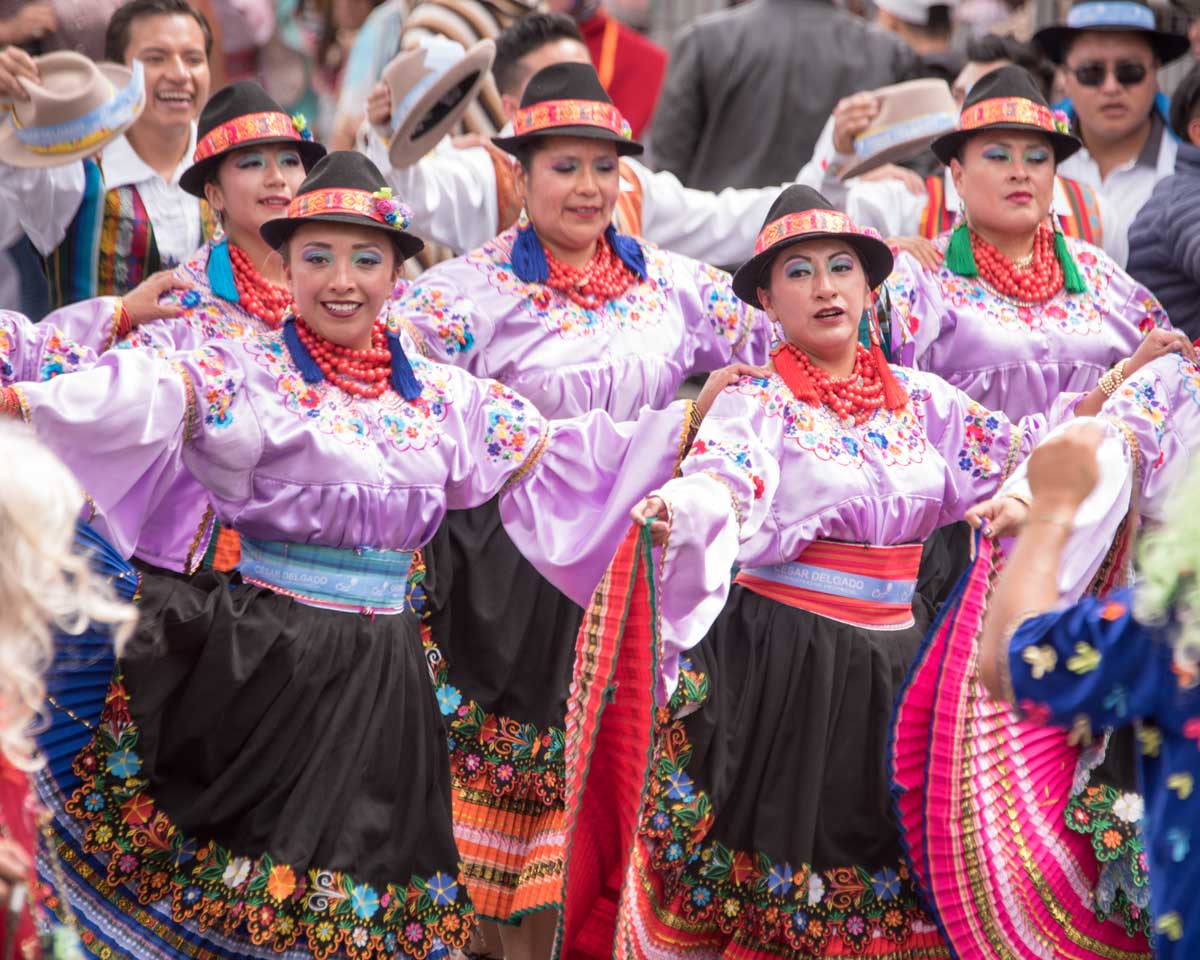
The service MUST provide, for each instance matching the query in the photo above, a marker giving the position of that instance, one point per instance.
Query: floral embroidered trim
(190, 564)
(1016, 438)
(692, 419)
(739, 891)
(979, 436)
(1008, 110)
(356, 202)
(570, 113)
(115, 327)
(247, 128)
(325, 912)
(495, 754)
(1110, 818)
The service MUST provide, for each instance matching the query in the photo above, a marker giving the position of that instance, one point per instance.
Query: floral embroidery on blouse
(507, 437)
(405, 425)
(217, 388)
(6, 347)
(640, 307)
(453, 327)
(895, 436)
(61, 356)
(1075, 314)
(1191, 380)
(979, 437)
(212, 319)
(727, 314)
(736, 455)
(1144, 393)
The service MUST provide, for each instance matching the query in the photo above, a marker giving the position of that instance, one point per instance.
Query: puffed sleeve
(450, 326)
(981, 447)
(568, 512)
(1092, 659)
(723, 497)
(37, 351)
(916, 311)
(723, 328)
(566, 486)
(121, 427)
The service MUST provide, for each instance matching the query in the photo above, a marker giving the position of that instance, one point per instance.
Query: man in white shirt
(105, 225)
(459, 195)
(1109, 52)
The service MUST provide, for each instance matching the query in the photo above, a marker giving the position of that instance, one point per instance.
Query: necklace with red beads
(270, 302)
(1036, 282)
(855, 397)
(604, 277)
(360, 373)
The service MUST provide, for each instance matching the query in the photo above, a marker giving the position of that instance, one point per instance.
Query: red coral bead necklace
(360, 373)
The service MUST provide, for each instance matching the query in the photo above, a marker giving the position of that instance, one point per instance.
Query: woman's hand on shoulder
(922, 250)
(1159, 343)
(141, 303)
(718, 380)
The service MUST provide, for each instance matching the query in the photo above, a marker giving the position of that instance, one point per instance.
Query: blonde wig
(46, 585)
(1168, 586)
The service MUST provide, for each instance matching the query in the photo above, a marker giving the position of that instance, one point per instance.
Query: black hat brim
(193, 179)
(947, 146)
(1055, 40)
(875, 256)
(514, 145)
(276, 232)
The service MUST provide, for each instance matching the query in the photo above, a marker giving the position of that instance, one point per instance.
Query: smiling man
(104, 224)
(1109, 52)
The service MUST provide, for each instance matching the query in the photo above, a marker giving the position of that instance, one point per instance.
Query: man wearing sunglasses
(1108, 53)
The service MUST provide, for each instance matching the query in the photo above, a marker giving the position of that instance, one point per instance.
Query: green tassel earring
(960, 258)
(1072, 279)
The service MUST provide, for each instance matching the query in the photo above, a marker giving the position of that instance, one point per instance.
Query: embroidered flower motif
(236, 872)
(281, 882)
(779, 880)
(364, 901)
(679, 785)
(886, 884)
(816, 890)
(448, 699)
(124, 764)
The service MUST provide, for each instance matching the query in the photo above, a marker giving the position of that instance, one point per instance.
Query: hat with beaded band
(568, 100)
(243, 115)
(346, 187)
(800, 213)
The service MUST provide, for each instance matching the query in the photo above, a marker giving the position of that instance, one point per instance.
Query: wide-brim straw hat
(800, 213)
(242, 115)
(75, 108)
(432, 84)
(568, 100)
(1111, 16)
(346, 187)
(1007, 99)
(911, 115)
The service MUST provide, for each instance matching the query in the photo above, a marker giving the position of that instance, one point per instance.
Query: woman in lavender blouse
(576, 317)
(270, 769)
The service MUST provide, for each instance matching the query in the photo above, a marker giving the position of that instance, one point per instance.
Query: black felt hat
(801, 213)
(241, 115)
(568, 100)
(1006, 99)
(346, 187)
(1111, 16)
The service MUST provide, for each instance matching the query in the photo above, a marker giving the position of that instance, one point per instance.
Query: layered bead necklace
(270, 302)
(604, 277)
(1034, 281)
(855, 397)
(360, 373)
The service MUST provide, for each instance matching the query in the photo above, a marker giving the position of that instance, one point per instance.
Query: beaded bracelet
(1113, 378)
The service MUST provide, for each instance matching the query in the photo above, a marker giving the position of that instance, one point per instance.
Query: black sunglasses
(1093, 74)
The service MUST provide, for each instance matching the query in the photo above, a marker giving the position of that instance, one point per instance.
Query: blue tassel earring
(528, 257)
(220, 267)
(403, 380)
(628, 250)
(301, 357)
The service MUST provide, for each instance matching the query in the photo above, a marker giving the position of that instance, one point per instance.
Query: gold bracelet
(1020, 498)
(1113, 378)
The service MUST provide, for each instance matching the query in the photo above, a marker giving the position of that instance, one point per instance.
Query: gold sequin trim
(189, 390)
(531, 461)
(114, 328)
(691, 426)
(191, 564)
(733, 498)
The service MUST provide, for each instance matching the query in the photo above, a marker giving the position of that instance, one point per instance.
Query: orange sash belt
(866, 586)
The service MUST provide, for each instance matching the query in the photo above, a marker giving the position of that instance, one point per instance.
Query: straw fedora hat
(911, 115)
(431, 84)
(74, 109)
